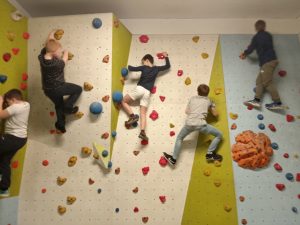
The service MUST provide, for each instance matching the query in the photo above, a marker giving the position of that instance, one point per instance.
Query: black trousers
(57, 97)
(9, 145)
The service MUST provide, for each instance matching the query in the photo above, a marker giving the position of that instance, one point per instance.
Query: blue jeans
(205, 129)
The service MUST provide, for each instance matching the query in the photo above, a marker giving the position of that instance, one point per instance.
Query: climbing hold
(136, 152)
(109, 165)
(250, 107)
(71, 200)
(24, 76)
(105, 98)
(206, 172)
(296, 156)
(244, 221)
(105, 59)
(45, 162)
(116, 23)
(162, 98)
(136, 209)
(72, 161)
(261, 126)
(298, 177)
(217, 163)
(23, 86)
(294, 209)
(162, 198)
(144, 142)
(277, 167)
(117, 210)
(91, 181)
(3, 78)
(44, 190)
(10, 36)
(124, 72)
(242, 198)
(290, 118)
(52, 131)
(204, 55)
(252, 150)
(218, 91)
(144, 38)
(196, 39)
(61, 180)
(104, 153)
(145, 170)
(145, 219)
(114, 134)
(58, 34)
(15, 51)
(233, 126)
(289, 176)
(282, 73)
(286, 155)
(179, 73)
(172, 133)
(78, 115)
(162, 161)
(160, 55)
(6, 57)
(117, 96)
(122, 79)
(217, 183)
(99, 190)
(15, 164)
(26, 35)
(233, 116)
(171, 125)
(61, 209)
(272, 127)
(105, 135)
(274, 146)
(135, 190)
(260, 117)
(227, 208)
(280, 187)
(153, 115)
(70, 56)
(153, 90)
(117, 170)
(52, 113)
(188, 81)
(86, 151)
(97, 23)
(96, 108)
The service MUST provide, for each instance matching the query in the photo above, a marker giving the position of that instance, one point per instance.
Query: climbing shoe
(170, 159)
(254, 103)
(213, 157)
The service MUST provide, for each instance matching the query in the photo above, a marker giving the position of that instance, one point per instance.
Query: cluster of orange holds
(252, 150)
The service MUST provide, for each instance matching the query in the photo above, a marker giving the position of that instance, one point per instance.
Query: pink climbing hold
(172, 133)
(280, 187)
(162, 98)
(286, 155)
(6, 57)
(179, 73)
(145, 170)
(45, 162)
(290, 118)
(272, 127)
(160, 55)
(163, 162)
(277, 167)
(144, 142)
(282, 73)
(162, 198)
(153, 115)
(153, 90)
(15, 51)
(144, 38)
(23, 86)
(24, 76)
(26, 35)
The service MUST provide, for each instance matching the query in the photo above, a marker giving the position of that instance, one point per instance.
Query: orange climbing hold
(233, 126)
(252, 150)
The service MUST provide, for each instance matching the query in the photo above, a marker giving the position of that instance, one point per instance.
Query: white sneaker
(4, 193)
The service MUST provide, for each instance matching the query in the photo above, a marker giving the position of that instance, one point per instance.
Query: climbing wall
(264, 203)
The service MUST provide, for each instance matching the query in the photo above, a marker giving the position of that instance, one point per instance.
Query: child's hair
(148, 57)
(13, 93)
(260, 25)
(52, 45)
(203, 90)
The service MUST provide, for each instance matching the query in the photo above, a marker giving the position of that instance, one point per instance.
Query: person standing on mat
(262, 42)
(53, 60)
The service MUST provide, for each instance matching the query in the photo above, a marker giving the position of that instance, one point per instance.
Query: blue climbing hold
(294, 209)
(274, 146)
(3, 78)
(104, 153)
(289, 176)
(109, 165)
(124, 72)
(113, 134)
(254, 89)
(117, 96)
(261, 126)
(96, 108)
(260, 116)
(97, 23)
(99, 190)
(117, 210)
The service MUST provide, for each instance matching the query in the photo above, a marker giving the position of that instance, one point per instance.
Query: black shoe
(72, 111)
(60, 128)
(213, 157)
(170, 159)
(143, 136)
(132, 119)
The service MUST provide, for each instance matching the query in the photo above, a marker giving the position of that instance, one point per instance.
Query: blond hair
(52, 46)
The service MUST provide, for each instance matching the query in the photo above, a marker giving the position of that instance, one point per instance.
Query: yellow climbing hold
(10, 36)
(70, 56)
(87, 86)
(196, 39)
(86, 151)
(233, 116)
(206, 172)
(188, 81)
(61, 180)
(58, 34)
(72, 161)
(217, 163)
(171, 125)
(78, 115)
(204, 55)
(61, 209)
(218, 91)
(71, 200)
(227, 208)
(217, 183)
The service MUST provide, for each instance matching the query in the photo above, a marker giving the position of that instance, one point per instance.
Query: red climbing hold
(162, 98)
(272, 127)
(15, 164)
(144, 142)
(26, 35)
(277, 167)
(163, 162)
(45, 162)
(153, 90)
(105, 135)
(6, 57)
(250, 107)
(280, 187)
(144, 38)
(52, 131)
(298, 196)
(24, 76)
(172, 133)
(52, 113)
(160, 55)
(162, 198)
(145, 219)
(298, 177)
(290, 118)
(145, 170)
(23, 86)
(286, 155)
(153, 115)
(43, 190)
(282, 73)
(136, 209)
(179, 73)
(15, 51)
(91, 181)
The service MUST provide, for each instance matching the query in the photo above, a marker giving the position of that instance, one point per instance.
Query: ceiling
(166, 9)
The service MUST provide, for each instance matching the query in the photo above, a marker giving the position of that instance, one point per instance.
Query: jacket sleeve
(165, 67)
(251, 47)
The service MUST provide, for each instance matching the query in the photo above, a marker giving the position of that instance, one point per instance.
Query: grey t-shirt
(197, 110)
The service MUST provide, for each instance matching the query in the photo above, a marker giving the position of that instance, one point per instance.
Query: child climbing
(197, 110)
(15, 112)
(52, 60)
(262, 42)
(142, 90)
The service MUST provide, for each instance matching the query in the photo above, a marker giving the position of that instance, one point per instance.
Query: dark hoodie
(52, 71)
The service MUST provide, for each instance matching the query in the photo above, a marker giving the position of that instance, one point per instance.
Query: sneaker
(254, 103)
(213, 157)
(72, 111)
(274, 105)
(132, 120)
(4, 193)
(170, 159)
(60, 128)
(143, 136)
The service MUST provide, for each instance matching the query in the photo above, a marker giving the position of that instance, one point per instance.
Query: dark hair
(148, 57)
(13, 93)
(260, 25)
(203, 90)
